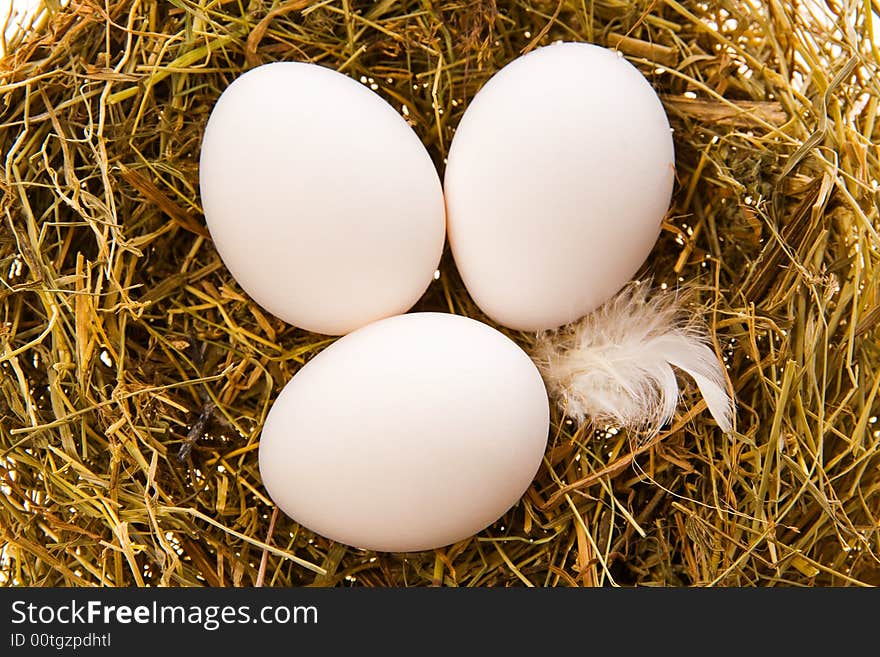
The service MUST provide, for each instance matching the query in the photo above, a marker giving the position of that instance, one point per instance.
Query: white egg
(320, 198)
(411, 433)
(558, 178)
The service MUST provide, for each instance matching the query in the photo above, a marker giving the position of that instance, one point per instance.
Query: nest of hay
(136, 374)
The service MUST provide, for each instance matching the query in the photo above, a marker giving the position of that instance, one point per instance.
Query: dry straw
(136, 374)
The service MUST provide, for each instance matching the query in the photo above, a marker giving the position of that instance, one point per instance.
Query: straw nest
(136, 374)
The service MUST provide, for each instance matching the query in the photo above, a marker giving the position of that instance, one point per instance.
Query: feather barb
(618, 364)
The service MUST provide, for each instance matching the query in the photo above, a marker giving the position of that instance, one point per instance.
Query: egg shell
(558, 178)
(408, 434)
(320, 199)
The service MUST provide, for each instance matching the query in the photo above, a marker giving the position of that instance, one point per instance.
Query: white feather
(615, 366)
